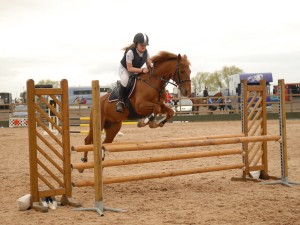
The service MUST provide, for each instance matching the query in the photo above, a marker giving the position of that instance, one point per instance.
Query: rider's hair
(133, 45)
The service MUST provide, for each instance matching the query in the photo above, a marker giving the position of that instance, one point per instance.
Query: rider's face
(141, 47)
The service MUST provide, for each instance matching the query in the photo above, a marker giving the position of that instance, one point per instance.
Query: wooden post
(283, 144)
(245, 130)
(264, 147)
(67, 197)
(33, 163)
(282, 128)
(97, 147)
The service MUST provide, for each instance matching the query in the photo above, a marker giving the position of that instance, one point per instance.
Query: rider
(135, 56)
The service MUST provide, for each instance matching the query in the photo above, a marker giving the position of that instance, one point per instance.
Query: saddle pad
(113, 96)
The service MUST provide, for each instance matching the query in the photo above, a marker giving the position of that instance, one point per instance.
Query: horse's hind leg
(111, 130)
(87, 141)
(89, 138)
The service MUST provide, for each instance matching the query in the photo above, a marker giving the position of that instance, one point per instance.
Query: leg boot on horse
(120, 104)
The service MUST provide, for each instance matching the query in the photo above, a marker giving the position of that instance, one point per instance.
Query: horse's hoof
(153, 124)
(80, 170)
(141, 123)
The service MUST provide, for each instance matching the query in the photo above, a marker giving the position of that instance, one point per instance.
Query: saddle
(128, 92)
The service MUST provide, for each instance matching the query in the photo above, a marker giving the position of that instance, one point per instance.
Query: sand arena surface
(207, 198)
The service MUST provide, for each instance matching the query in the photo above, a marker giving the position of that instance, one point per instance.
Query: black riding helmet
(141, 38)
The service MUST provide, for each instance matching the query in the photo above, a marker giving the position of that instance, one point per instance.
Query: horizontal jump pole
(192, 155)
(178, 144)
(160, 175)
(189, 143)
(79, 131)
(88, 119)
(129, 122)
(80, 118)
(181, 139)
(84, 148)
(80, 125)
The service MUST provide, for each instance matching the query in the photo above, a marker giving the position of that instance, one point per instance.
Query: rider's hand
(145, 70)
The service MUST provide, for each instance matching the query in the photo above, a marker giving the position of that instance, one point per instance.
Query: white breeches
(124, 75)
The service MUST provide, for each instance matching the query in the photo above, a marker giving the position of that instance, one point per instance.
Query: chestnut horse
(147, 98)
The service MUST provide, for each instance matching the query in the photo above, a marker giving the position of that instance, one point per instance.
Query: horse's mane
(163, 56)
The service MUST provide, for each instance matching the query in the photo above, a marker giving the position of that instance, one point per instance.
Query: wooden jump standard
(49, 158)
(254, 142)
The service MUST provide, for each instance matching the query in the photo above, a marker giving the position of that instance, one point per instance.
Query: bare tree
(215, 80)
(55, 84)
(227, 71)
(200, 81)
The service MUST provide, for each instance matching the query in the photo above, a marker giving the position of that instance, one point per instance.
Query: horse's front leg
(144, 121)
(168, 112)
(148, 107)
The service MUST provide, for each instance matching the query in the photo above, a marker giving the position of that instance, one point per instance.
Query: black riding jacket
(137, 61)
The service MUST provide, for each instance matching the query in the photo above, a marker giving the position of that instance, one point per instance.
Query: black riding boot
(120, 104)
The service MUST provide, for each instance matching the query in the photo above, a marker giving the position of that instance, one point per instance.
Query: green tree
(55, 84)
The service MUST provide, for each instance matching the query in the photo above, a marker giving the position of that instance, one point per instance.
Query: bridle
(164, 80)
(177, 73)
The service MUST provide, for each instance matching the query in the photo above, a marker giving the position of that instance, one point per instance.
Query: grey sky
(82, 40)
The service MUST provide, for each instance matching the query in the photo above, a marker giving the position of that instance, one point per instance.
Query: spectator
(77, 100)
(83, 101)
(221, 106)
(205, 92)
(211, 107)
(228, 104)
(168, 97)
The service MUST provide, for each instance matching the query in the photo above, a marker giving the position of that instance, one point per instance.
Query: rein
(165, 81)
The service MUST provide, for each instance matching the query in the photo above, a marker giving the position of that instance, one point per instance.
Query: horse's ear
(179, 57)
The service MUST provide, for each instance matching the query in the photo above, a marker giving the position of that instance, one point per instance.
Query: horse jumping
(147, 99)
